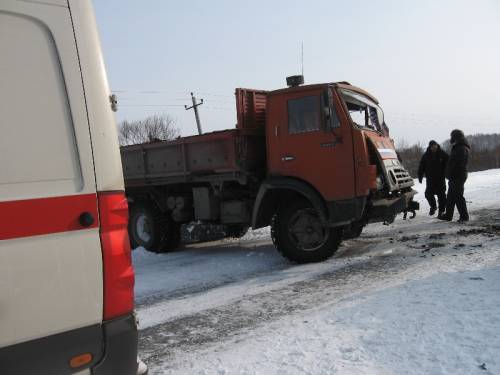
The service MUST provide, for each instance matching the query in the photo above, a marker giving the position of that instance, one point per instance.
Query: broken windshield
(364, 112)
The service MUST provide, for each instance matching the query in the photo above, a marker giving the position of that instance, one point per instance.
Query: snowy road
(414, 297)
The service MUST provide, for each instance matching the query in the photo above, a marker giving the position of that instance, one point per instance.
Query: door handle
(287, 158)
(86, 219)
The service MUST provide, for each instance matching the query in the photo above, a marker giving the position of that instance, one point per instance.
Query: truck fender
(270, 193)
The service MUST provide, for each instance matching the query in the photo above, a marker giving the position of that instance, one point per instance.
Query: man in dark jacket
(432, 166)
(456, 173)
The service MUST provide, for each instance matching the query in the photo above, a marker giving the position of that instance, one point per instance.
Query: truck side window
(37, 145)
(303, 115)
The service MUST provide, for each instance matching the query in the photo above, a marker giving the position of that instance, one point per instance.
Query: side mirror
(327, 113)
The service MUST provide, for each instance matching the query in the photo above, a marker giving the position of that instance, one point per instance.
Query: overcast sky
(434, 65)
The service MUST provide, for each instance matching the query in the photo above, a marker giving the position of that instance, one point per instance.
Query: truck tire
(352, 231)
(152, 229)
(298, 235)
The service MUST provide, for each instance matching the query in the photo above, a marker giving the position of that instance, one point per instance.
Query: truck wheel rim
(305, 230)
(143, 228)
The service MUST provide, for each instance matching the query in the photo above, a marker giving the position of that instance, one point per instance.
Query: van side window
(37, 143)
(303, 115)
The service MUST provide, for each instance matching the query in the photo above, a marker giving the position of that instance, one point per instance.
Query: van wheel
(352, 231)
(298, 235)
(152, 229)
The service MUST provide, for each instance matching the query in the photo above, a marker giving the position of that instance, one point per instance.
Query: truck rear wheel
(152, 229)
(298, 234)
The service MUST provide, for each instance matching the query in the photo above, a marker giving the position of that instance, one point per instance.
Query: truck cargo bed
(230, 154)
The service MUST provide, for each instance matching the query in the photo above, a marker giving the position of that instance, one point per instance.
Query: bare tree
(410, 155)
(402, 144)
(152, 128)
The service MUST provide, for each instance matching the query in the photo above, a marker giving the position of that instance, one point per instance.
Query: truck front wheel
(152, 229)
(353, 230)
(298, 234)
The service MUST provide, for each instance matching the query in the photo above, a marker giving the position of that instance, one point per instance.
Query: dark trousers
(456, 198)
(431, 191)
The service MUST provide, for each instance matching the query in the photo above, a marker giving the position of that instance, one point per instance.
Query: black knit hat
(432, 143)
(456, 135)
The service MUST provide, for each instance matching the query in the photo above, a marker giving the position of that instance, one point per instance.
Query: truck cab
(333, 137)
(330, 158)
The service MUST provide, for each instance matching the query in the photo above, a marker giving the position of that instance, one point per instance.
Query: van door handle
(86, 219)
(287, 158)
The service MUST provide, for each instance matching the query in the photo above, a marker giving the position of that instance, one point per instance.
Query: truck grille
(401, 177)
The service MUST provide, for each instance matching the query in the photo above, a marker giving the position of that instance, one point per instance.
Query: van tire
(152, 229)
(297, 220)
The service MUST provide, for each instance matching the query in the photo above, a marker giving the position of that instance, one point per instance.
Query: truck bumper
(384, 209)
(120, 352)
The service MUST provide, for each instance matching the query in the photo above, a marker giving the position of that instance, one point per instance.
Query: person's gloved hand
(420, 179)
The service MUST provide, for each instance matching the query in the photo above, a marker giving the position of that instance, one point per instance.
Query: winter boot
(445, 217)
(432, 211)
(463, 219)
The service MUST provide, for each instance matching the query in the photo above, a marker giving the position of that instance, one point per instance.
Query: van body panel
(62, 231)
(108, 166)
(50, 265)
(49, 284)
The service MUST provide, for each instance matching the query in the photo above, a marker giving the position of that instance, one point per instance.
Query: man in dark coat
(432, 166)
(456, 173)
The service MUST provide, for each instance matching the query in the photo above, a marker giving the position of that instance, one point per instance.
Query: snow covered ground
(415, 297)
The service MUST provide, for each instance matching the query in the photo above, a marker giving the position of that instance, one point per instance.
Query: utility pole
(195, 107)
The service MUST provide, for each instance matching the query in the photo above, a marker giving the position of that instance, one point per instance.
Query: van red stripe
(33, 217)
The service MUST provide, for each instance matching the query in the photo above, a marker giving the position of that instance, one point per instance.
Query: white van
(66, 277)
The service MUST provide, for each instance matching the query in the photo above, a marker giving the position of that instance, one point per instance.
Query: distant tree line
(484, 153)
(150, 129)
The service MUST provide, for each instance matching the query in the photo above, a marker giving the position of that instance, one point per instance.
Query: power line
(178, 99)
(159, 106)
(212, 94)
(151, 105)
(156, 92)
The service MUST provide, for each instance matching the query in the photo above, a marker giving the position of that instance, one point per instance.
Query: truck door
(307, 139)
(50, 253)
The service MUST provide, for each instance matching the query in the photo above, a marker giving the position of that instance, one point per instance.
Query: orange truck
(315, 162)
